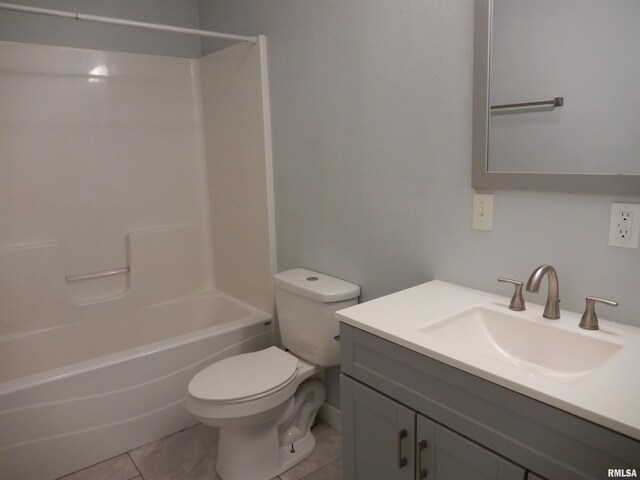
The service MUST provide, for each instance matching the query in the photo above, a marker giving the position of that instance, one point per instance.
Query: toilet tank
(306, 303)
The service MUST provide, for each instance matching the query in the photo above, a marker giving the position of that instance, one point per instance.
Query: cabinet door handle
(420, 447)
(402, 461)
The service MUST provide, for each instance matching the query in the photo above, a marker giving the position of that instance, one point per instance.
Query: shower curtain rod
(127, 23)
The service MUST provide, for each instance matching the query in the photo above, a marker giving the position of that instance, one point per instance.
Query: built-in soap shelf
(36, 292)
(95, 275)
(99, 286)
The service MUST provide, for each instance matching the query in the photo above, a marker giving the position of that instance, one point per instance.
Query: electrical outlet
(624, 225)
(624, 230)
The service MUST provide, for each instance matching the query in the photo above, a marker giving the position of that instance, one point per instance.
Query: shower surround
(154, 174)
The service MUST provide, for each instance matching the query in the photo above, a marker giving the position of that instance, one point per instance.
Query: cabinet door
(378, 435)
(442, 454)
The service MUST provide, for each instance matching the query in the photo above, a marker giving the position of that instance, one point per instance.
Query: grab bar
(90, 276)
(556, 102)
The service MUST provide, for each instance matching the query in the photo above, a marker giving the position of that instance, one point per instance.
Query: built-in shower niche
(99, 286)
(163, 264)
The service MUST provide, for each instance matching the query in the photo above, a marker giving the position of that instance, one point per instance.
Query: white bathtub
(74, 395)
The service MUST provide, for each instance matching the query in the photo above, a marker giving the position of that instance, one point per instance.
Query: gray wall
(22, 27)
(371, 111)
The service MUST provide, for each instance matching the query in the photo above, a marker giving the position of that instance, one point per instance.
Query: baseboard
(331, 415)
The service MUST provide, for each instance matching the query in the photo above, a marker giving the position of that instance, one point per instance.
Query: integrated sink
(590, 373)
(543, 349)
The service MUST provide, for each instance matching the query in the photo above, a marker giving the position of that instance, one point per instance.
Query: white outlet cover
(633, 240)
(482, 218)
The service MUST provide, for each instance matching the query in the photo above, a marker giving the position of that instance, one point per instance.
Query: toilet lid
(244, 376)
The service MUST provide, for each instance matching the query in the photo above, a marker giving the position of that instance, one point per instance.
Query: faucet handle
(589, 320)
(517, 301)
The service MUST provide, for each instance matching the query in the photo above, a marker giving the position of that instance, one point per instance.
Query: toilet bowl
(264, 403)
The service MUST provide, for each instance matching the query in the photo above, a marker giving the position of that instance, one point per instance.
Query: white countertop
(609, 395)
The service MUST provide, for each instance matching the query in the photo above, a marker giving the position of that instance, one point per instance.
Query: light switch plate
(624, 228)
(482, 218)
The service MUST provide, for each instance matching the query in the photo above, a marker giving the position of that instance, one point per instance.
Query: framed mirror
(556, 102)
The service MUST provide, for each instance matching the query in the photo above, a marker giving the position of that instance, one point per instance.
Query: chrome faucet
(552, 308)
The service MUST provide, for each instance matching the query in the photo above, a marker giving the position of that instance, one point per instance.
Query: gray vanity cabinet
(385, 440)
(448, 455)
(382, 434)
(474, 429)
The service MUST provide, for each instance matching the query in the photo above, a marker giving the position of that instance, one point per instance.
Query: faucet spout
(552, 308)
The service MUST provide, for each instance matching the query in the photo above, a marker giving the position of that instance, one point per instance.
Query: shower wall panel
(235, 99)
(94, 146)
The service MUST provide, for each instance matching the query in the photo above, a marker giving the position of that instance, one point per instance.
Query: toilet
(264, 403)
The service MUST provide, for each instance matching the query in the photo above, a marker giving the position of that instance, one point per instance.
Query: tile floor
(190, 455)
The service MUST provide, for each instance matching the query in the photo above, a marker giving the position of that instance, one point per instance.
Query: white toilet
(264, 402)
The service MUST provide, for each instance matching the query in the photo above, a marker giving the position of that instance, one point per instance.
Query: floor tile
(333, 471)
(117, 468)
(319, 426)
(189, 455)
(328, 449)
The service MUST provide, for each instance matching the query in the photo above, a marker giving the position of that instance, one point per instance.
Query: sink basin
(591, 374)
(539, 348)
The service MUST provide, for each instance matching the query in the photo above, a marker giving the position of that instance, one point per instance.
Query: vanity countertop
(608, 394)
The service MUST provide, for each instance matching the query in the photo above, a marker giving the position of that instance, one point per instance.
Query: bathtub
(77, 394)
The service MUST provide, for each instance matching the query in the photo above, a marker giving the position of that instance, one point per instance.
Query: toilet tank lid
(316, 286)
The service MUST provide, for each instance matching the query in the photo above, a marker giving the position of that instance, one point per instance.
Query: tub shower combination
(109, 299)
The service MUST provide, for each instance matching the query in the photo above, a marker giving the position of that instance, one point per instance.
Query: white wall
(371, 113)
(585, 51)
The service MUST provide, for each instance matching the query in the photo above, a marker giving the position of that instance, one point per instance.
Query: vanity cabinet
(474, 428)
(390, 441)
(381, 434)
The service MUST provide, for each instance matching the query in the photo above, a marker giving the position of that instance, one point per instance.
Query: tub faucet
(552, 308)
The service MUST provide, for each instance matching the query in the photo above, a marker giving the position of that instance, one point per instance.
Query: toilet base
(302, 449)
(263, 463)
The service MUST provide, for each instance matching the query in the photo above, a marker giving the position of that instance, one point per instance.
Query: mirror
(556, 102)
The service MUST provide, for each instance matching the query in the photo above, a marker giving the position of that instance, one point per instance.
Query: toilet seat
(245, 377)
